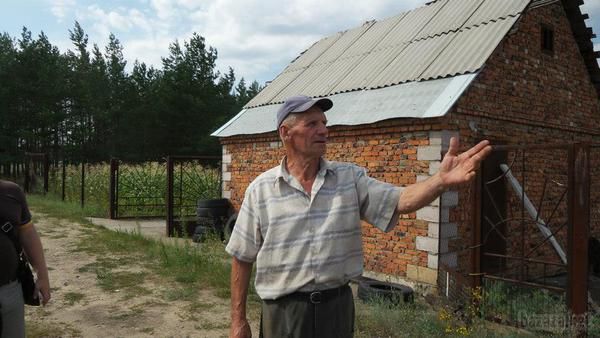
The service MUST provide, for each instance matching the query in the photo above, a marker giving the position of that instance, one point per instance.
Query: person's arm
(240, 279)
(455, 170)
(31, 243)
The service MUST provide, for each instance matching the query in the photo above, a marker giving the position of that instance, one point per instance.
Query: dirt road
(82, 307)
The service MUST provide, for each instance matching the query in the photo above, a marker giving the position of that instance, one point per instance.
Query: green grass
(44, 329)
(133, 312)
(180, 293)
(594, 326)
(57, 208)
(100, 264)
(148, 330)
(110, 280)
(195, 309)
(514, 305)
(73, 297)
(189, 265)
(206, 326)
(382, 319)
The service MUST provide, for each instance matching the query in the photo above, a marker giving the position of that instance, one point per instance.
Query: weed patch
(73, 297)
(380, 318)
(180, 293)
(44, 329)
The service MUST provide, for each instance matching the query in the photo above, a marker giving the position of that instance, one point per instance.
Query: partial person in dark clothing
(14, 212)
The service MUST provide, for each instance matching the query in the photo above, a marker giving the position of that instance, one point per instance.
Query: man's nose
(323, 130)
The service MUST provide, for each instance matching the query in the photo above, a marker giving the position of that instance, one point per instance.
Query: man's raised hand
(457, 169)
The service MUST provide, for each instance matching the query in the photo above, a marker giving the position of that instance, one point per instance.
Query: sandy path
(81, 308)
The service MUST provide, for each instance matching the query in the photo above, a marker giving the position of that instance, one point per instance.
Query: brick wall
(521, 96)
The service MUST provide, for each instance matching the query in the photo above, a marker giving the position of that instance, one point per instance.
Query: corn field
(141, 189)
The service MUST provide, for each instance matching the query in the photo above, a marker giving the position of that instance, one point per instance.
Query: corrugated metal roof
(314, 52)
(373, 36)
(451, 17)
(332, 76)
(281, 81)
(412, 62)
(343, 43)
(469, 50)
(492, 10)
(409, 27)
(409, 100)
(441, 39)
(368, 68)
(301, 82)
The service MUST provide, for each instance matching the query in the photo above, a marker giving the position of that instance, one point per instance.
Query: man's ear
(284, 132)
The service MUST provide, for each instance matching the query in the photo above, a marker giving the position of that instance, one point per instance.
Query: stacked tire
(211, 218)
(230, 224)
(370, 290)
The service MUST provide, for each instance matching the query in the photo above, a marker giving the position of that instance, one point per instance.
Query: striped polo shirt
(303, 242)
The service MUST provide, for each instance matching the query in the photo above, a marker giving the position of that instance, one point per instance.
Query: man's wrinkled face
(307, 135)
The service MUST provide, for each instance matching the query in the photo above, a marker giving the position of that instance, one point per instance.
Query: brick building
(513, 72)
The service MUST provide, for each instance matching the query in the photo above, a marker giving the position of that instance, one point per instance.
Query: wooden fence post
(170, 225)
(82, 183)
(579, 221)
(64, 179)
(114, 167)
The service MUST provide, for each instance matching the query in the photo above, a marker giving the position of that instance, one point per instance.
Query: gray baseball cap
(300, 104)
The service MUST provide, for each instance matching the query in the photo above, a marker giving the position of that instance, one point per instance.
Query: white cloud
(190, 4)
(590, 6)
(63, 44)
(148, 50)
(164, 9)
(60, 8)
(120, 20)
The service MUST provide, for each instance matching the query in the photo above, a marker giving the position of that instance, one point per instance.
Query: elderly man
(300, 223)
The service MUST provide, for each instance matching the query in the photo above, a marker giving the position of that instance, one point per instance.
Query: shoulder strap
(8, 229)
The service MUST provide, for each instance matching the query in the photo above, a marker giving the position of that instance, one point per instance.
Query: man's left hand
(42, 288)
(457, 169)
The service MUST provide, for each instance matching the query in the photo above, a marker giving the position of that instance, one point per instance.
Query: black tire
(372, 290)
(213, 212)
(214, 203)
(205, 221)
(229, 225)
(213, 208)
(201, 233)
(203, 212)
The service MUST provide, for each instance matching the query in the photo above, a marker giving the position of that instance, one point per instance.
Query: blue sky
(258, 38)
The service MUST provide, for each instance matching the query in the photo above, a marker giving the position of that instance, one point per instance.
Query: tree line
(82, 105)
